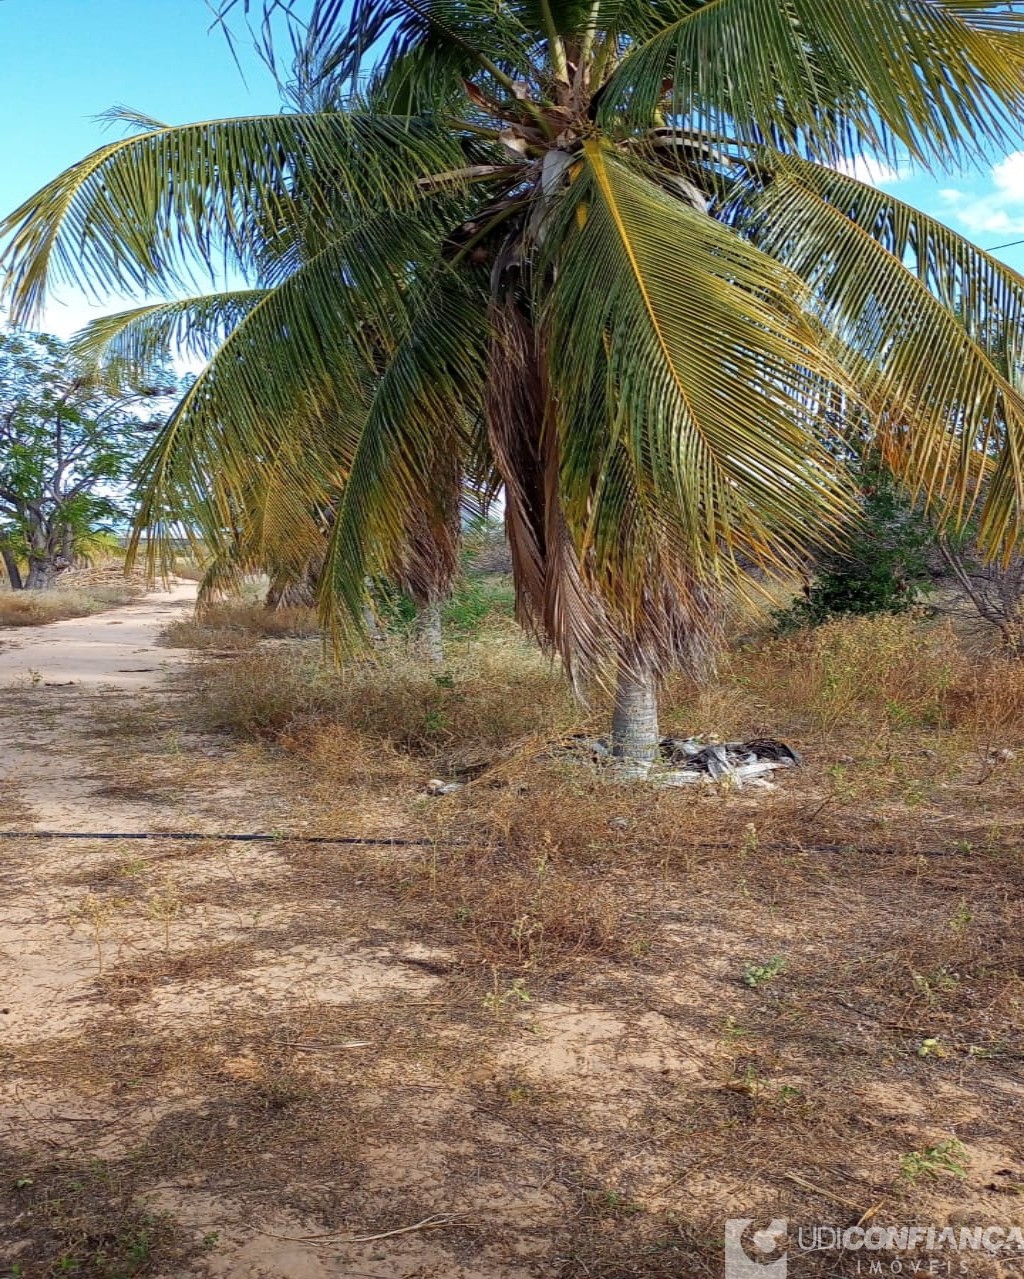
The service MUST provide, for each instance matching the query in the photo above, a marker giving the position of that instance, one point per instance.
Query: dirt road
(112, 951)
(116, 648)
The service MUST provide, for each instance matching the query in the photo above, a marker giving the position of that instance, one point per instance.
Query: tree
(604, 254)
(880, 566)
(67, 446)
(993, 588)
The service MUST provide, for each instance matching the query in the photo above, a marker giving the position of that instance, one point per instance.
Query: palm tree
(605, 255)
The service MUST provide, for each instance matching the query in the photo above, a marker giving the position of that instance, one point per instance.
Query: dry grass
(240, 625)
(37, 608)
(188, 569)
(487, 698)
(871, 672)
(82, 1218)
(595, 1019)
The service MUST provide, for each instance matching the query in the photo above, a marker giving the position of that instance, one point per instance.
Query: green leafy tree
(67, 447)
(604, 255)
(881, 565)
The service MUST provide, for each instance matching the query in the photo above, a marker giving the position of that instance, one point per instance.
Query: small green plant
(499, 1002)
(748, 1081)
(95, 913)
(755, 975)
(933, 986)
(164, 906)
(962, 918)
(527, 934)
(949, 1158)
(612, 1203)
(733, 1033)
(435, 723)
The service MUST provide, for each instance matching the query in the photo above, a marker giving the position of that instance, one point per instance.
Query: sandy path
(52, 681)
(115, 648)
(91, 742)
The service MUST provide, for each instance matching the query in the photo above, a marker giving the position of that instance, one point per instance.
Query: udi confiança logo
(764, 1251)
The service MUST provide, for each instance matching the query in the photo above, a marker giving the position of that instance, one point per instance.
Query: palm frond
(923, 321)
(833, 78)
(131, 120)
(392, 453)
(194, 328)
(466, 35)
(724, 457)
(297, 365)
(552, 597)
(985, 294)
(147, 211)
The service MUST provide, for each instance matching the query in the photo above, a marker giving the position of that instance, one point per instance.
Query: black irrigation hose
(203, 838)
(395, 842)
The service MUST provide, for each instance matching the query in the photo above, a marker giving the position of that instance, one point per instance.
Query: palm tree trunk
(428, 628)
(635, 718)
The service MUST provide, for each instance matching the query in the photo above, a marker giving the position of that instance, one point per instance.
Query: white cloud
(866, 169)
(1008, 176)
(1000, 210)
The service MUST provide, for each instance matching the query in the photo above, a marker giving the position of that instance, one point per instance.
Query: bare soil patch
(567, 1034)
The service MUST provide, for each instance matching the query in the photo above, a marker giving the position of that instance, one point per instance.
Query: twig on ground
(428, 1223)
(820, 1190)
(320, 1048)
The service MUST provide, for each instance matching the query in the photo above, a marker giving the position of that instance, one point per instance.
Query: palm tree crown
(606, 255)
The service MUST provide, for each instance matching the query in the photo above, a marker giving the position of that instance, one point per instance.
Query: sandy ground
(116, 649)
(53, 676)
(90, 744)
(302, 1061)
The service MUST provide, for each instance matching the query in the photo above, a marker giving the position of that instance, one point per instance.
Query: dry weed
(488, 698)
(239, 624)
(38, 608)
(988, 700)
(872, 672)
(521, 912)
(81, 1216)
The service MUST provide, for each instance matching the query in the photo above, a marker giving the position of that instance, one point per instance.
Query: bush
(238, 624)
(882, 568)
(988, 699)
(889, 671)
(487, 550)
(475, 601)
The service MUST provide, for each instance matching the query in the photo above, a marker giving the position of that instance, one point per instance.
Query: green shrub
(881, 568)
(477, 600)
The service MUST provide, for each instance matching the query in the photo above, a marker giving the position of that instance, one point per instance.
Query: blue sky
(62, 62)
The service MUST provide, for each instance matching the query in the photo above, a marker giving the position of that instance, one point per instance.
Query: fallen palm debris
(691, 761)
